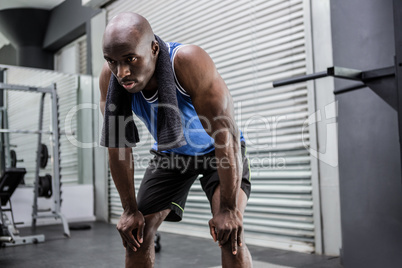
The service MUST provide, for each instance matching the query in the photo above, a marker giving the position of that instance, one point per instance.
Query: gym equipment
(13, 159)
(9, 235)
(157, 242)
(45, 186)
(369, 79)
(13, 156)
(80, 227)
(44, 156)
(52, 188)
(9, 182)
(385, 82)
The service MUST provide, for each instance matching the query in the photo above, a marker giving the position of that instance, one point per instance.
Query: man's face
(131, 59)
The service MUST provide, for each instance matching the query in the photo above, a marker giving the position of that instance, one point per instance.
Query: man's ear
(155, 47)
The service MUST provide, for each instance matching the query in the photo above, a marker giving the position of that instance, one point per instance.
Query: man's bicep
(217, 109)
(209, 93)
(197, 73)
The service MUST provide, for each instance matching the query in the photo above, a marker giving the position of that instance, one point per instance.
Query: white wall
(77, 205)
(65, 60)
(98, 24)
(72, 57)
(323, 122)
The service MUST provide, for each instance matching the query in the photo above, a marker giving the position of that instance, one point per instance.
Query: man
(131, 52)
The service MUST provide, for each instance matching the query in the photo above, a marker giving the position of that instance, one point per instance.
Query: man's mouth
(128, 85)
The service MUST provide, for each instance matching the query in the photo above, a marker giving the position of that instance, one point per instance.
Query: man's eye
(131, 59)
(111, 61)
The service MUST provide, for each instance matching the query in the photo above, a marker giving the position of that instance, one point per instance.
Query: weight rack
(55, 211)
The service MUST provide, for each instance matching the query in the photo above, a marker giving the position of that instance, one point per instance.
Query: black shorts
(168, 179)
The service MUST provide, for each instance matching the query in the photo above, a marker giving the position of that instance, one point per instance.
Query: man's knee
(227, 250)
(241, 259)
(152, 223)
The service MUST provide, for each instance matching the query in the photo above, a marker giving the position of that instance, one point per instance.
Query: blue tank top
(198, 140)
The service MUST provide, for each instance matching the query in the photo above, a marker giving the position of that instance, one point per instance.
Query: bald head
(131, 51)
(128, 23)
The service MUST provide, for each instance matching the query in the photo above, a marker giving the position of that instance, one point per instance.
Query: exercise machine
(9, 234)
(45, 186)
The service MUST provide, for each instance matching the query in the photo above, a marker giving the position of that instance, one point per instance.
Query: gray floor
(100, 246)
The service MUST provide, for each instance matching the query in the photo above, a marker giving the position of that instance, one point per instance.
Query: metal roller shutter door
(252, 44)
(23, 113)
(82, 55)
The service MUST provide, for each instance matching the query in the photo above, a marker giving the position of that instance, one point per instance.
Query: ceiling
(41, 4)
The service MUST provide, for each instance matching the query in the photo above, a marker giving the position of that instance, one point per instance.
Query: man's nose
(122, 70)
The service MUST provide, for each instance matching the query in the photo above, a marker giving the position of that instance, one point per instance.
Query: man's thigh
(164, 187)
(211, 181)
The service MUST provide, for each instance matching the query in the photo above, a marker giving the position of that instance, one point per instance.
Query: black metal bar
(397, 4)
(348, 89)
(345, 73)
(340, 72)
(2, 148)
(378, 73)
(298, 79)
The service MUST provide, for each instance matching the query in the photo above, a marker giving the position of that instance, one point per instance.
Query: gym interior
(317, 90)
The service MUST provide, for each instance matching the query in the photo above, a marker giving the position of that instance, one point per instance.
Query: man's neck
(151, 88)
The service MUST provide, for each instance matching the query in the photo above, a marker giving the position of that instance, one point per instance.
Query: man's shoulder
(188, 52)
(194, 69)
(189, 58)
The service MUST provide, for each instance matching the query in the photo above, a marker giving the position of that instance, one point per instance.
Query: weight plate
(45, 186)
(44, 156)
(13, 156)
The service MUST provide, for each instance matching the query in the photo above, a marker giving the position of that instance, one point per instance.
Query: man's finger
(225, 238)
(212, 230)
(133, 238)
(128, 244)
(220, 235)
(133, 244)
(239, 237)
(234, 242)
(124, 241)
(140, 233)
(239, 240)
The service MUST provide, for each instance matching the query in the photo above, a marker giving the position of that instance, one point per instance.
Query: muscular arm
(122, 169)
(212, 101)
(211, 98)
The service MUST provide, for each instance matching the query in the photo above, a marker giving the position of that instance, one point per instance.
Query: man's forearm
(229, 171)
(122, 169)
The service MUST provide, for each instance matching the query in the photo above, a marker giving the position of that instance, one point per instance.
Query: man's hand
(227, 224)
(130, 221)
